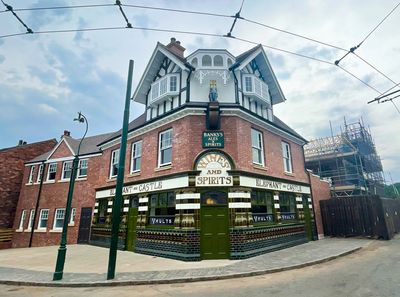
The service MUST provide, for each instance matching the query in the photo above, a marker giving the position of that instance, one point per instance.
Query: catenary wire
(60, 7)
(10, 9)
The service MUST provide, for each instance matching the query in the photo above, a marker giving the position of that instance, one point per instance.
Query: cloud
(47, 109)
(2, 58)
(39, 19)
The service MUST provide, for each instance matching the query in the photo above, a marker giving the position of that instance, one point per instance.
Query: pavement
(86, 265)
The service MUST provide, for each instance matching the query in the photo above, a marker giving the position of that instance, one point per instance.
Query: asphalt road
(371, 272)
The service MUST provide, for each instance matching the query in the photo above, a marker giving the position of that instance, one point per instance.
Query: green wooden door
(131, 229)
(214, 242)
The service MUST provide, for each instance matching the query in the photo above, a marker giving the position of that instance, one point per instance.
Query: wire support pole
(128, 24)
(116, 209)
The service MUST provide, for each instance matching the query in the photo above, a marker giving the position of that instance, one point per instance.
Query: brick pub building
(210, 171)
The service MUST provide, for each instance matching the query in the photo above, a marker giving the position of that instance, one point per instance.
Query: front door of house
(214, 226)
(84, 225)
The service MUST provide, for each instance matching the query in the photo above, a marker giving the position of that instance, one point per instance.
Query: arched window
(229, 62)
(194, 62)
(218, 61)
(206, 60)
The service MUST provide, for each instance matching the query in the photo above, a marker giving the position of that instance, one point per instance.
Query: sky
(45, 79)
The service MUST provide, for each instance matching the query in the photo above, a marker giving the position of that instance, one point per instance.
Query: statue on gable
(213, 95)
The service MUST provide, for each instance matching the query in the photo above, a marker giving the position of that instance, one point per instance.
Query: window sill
(288, 173)
(49, 182)
(163, 167)
(28, 184)
(19, 230)
(111, 179)
(40, 230)
(71, 225)
(260, 167)
(27, 230)
(135, 173)
(64, 181)
(55, 230)
(81, 178)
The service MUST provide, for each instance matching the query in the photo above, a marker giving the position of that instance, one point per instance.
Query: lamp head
(80, 118)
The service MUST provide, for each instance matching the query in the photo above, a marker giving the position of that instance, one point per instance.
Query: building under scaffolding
(349, 160)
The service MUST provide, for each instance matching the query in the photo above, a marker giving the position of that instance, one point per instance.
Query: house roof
(27, 145)
(286, 128)
(139, 121)
(89, 146)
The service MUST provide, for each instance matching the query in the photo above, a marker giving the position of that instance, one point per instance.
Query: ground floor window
(162, 208)
(44, 216)
(59, 218)
(287, 203)
(262, 206)
(102, 211)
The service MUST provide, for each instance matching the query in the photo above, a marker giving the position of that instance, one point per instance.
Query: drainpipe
(37, 204)
(232, 68)
(191, 69)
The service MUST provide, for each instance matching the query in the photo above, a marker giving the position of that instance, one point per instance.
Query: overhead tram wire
(237, 16)
(10, 8)
(60, 7)
(354, 48)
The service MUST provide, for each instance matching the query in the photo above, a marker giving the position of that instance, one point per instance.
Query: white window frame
(114, 161)
(51, 165)
(40, 172)
(260, 141)
(58, 218)
(63, 170)
(160, 148)
(31, 171)
(287, 157)
(42, 211)
(22, 220)
(72, 217)
(162, 87)
(80, 167)
(31, 217)
(259, 89)
(136, 154)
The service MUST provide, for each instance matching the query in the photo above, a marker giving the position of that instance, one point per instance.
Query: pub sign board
(213, 139)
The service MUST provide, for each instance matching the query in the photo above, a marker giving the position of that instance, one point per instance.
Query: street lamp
(62, 250)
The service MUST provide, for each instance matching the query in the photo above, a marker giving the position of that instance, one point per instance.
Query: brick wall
(53, 196)
(12, 169)
(187, 145)
(320, 190)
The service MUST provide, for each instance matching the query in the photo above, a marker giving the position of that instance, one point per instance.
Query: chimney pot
(67, 133)
(20, 142)
(176, 47)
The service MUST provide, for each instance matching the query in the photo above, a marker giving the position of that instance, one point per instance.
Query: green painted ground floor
(193, 224)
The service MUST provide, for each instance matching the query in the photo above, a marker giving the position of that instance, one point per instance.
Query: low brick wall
(101, 236)
(176, 244)
(250, 242)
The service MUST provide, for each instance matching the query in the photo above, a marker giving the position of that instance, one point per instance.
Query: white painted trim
(126, 201)
(56, 147)
(187, 206)
(299, 205)
(277, 206)
(187, 196)
(239, 205)
(239, 195)
(70, 158)
(96, 211)
(276, 197)
(143, 208)
(109, 203)
(32, 164)
(109, 209)
(126, 209)
(96, 204)
(299, 199)
(143, 199)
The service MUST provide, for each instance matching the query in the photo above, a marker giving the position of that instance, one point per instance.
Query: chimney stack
(67, 133)
(21, 142)
(176, 47)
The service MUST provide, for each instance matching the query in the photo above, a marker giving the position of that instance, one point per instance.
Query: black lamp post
(62, 250)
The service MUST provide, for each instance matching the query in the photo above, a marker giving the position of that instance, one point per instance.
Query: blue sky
(46, 79)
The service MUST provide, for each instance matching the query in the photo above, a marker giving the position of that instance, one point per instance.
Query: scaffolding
(348, 160)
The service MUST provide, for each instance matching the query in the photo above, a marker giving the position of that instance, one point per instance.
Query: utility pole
(116, 209)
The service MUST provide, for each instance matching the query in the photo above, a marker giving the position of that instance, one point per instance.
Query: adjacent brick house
(11, 174)
(55, 166)
(210, 171)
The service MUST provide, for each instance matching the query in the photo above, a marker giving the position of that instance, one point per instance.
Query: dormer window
(206, 61)
(256, 89)
(218, 61)
(194, 62)
(164, 88)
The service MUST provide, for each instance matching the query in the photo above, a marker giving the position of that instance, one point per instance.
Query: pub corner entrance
(214, 225)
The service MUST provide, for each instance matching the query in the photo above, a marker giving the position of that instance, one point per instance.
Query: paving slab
(87, 265)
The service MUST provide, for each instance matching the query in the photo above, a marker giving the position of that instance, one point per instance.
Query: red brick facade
(53, 196)
(12, 169)
(320, 190)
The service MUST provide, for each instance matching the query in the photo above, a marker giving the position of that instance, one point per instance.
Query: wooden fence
(370, 216)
